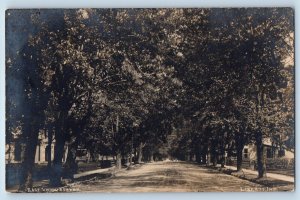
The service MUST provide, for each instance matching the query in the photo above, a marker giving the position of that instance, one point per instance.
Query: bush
(280, 163)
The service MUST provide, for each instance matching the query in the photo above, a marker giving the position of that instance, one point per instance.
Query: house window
(245, 153)
(269, 153)
(281, 153)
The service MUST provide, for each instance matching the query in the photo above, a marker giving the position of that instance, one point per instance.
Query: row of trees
(124, 79)
(243, 83)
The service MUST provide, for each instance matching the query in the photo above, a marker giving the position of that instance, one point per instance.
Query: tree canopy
(115, 80)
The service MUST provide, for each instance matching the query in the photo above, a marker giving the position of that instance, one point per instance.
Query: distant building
(272, 153)
(14, 150)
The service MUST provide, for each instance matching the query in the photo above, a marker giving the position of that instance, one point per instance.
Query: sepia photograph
(149, 100)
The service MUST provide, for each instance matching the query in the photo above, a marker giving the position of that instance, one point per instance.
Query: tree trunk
(118, 156)
(118, 161)
(49, 147)
(31, 141)
(261, 159)
(214, 159)
(239, 158)
(208, 160)
(93, 156)
(55, 179)
(140, 153)
(131, 147)
(191, 156)
(204, 154)
(214, 154)
(130, 159)
(151, 156)
(198, 153)
(223, 156)
(135, 155)
(71, 165)
(203, 158)
(239, 152)
(261, 162)
(9, 152)
(198, 156)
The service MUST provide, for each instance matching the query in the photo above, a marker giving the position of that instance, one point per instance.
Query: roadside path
(270, 175)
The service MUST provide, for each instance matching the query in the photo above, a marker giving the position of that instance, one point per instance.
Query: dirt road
(168, 177)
